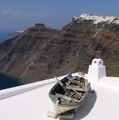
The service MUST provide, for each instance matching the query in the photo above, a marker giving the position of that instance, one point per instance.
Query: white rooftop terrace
(31, 101)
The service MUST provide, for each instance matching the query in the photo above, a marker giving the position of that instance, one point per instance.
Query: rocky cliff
(40, 52)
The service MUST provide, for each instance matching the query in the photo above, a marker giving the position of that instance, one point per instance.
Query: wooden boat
(68, 94)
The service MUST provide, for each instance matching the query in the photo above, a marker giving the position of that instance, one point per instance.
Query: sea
(7, 35)
(8, 81)
(5, 80)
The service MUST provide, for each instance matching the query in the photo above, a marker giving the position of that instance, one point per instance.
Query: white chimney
(96, 70)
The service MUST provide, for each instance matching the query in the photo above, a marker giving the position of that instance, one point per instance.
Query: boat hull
(62, 107)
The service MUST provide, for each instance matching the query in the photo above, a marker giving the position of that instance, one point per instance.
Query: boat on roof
(68, 94)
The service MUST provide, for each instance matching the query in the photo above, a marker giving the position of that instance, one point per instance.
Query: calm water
(7, 82)
(5, 36)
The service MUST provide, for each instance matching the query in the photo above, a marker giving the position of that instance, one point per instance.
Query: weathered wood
(69, 94)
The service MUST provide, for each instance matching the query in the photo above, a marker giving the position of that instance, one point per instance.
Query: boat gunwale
(80, 101)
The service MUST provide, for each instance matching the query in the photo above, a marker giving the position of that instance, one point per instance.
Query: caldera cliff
(41, 52)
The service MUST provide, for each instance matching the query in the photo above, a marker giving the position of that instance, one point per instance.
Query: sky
(18, 15)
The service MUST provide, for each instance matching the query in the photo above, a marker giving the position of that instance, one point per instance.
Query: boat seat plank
(77, 89)
(66, 97)
(63, 96)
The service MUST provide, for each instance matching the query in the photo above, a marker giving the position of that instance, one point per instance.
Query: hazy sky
(20, 14)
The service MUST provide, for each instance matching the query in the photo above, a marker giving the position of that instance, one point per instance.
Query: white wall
(23, 88)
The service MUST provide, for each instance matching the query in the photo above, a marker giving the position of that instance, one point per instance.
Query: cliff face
(41, 52)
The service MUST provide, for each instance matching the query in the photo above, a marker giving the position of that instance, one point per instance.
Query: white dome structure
(97, 62)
